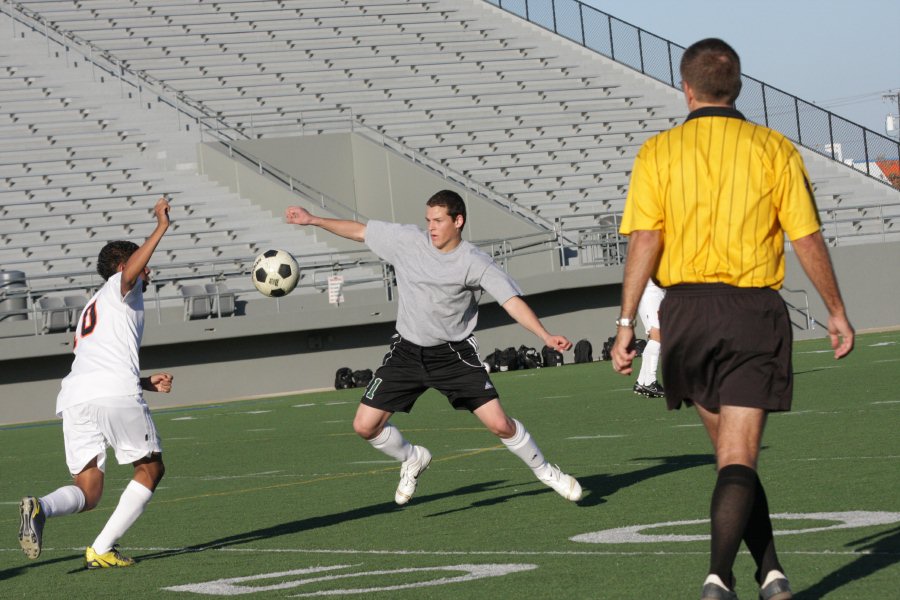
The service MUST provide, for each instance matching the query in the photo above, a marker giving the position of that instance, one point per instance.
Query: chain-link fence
(806, 124)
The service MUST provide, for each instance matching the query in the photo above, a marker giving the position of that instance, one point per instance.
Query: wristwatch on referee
(625, 322)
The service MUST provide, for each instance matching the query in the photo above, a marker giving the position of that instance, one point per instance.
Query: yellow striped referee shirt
(724, 192)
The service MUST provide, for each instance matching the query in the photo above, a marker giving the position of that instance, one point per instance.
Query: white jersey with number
(107, 341)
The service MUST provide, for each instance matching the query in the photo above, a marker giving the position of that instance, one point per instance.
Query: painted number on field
(237, 586)
(644, 534)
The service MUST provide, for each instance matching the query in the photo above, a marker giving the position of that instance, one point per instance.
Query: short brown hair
(452, 201)
(713, 70)
(112, 255)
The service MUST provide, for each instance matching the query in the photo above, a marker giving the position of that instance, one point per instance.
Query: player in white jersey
(440, 278)
(648, 308)
(101, 405)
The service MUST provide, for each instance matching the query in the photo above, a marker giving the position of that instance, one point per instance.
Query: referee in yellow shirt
(709, 204)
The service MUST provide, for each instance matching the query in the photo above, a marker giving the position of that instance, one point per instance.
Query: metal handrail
(810, 320)
(812, 127)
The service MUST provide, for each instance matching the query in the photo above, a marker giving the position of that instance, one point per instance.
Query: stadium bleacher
(444, 77)
(499, 89)
(71, 177)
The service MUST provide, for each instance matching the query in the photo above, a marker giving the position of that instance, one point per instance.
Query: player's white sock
(525, 448)
(716, 580)
(649, 363)
(131, 506)
(772, 576)
(66, 500)
(391, 442)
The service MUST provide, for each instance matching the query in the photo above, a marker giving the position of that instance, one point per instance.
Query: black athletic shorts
(724, 345)
(454, 369)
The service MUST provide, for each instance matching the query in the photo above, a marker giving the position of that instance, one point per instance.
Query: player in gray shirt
(440, 278)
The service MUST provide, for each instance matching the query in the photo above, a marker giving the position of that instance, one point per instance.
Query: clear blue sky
(840, 55)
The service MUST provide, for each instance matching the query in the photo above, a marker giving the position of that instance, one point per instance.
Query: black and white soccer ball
(275, 273)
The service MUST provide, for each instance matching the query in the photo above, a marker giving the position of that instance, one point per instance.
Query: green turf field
(278, 498)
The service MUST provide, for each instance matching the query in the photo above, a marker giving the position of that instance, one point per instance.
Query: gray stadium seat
(196, 302)
(54, 314)
(75, 305)
(222, 299)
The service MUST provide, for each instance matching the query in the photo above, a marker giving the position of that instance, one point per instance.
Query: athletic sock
(649, 363)
(758, 535)
(131, 505)
(712, 578)
(66, 500)
(772, 576)
(732, 503)
(391, 442)
(525, 448)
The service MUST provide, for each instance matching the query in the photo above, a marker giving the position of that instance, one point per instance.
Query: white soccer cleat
(565, 485)
(409, 474)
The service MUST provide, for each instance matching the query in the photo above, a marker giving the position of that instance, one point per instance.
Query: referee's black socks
(730, 510)
(758, 535)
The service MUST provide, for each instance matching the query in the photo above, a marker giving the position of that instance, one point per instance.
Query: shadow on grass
(602, 486)
(812, 370)
(597, 487)
(312, 523)
(882, 550)
(31, 564)
(494, 500)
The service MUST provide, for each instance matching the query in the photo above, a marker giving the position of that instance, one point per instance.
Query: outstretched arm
(644, 247)
(352, 230)
(137, 262)
(524, 316)
(813, 257)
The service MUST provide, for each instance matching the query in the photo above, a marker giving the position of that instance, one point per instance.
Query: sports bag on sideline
(584, 352)
(552, 358)
(362, 378)
(606, 351)
(492, 361)
(509, 359)
(529, 358)
(343, 378)
(639, 345)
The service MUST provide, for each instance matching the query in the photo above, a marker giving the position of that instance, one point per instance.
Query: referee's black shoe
(651, 390)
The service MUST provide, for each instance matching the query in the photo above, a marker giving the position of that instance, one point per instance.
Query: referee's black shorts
(724, 345)
(454, 369)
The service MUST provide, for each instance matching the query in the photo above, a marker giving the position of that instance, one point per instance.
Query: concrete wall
(869, 278)
(324, 162)
(232, 368)
(371, 179)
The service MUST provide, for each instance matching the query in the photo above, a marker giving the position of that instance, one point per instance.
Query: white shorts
(122, 423)
(648, 307)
